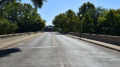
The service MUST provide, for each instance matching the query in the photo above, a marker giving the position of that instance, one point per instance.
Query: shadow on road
(7, 52)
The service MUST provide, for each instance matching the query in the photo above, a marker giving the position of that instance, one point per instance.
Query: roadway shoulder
(10, 43)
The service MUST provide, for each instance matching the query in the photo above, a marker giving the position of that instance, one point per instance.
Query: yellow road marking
(54, 42)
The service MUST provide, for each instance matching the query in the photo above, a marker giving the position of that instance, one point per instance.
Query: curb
(107, 45)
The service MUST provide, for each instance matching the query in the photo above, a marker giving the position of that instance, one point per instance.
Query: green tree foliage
(38, 3)
(39, 24)
(12, 11)
(87, 8)
(110, 23)
(6, 27)
(66, 22)
(103, 21)
(87, 24)
(7, 1)
(61, 22)
(17, 17)
(93, 12)
(90, 19)
(73, 21)
(90, 10)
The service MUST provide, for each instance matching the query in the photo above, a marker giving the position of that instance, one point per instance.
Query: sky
(51, 8)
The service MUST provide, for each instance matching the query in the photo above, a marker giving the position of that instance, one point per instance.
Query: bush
(7, 27)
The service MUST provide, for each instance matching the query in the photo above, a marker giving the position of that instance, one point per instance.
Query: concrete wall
(17, 34)
(104, 38)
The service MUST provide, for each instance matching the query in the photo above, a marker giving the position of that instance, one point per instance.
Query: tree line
(36, 3)
(89, 19)
(16, 17)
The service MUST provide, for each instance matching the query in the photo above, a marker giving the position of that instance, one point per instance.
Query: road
(57, 50)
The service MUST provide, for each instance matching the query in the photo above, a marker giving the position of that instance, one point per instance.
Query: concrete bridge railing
(104, 38)
(16, 34)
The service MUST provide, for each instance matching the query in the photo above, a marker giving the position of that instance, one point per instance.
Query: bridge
(52, 49)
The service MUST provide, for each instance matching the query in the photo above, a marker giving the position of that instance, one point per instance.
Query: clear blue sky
(51, 8)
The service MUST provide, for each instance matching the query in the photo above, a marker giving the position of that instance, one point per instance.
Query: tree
(109, 22)
(113, 17)
(1, 13)
(13, 12)
(86, 8)
(29, 22)
(73, 21)
(67, 22)
(61, 22)
(12, 28)
(93, 12)
(90, 19)
(6, 1)
(17, 17)
(87, 24)
(39, 24)
(6, 27)
(38, 3)
(70, 14)
(23, 15)
(102, 25)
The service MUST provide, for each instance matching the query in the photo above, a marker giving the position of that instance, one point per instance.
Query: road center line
(54, 42)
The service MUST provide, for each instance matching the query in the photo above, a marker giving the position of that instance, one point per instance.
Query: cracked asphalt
(52, 49)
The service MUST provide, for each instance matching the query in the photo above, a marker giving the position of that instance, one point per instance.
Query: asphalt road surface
(57, 50)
